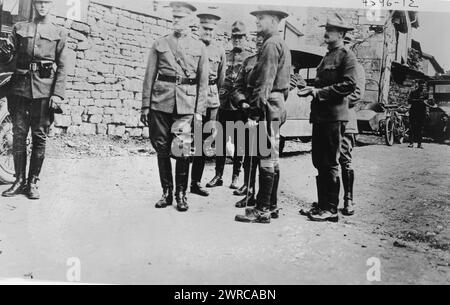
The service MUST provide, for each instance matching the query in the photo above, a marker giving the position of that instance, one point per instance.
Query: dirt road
(100, 211)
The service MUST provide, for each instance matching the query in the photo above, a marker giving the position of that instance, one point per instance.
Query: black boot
(275, 212)
(182, 177)
(247, 201)
(36, 161)
(316, 207)
(198, 167)
(198, 190)
(165, 175)
(33, 190)
(220, 167)
(215, 182)
(234, 182)
(243, 190)
(348, 178)
(260, 214)
(330, 213)
(166, 199)
(19, 187)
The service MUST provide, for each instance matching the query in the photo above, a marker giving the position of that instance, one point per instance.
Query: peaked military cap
(337, 21)
(182, 9)
(208, 19)
(270, 11)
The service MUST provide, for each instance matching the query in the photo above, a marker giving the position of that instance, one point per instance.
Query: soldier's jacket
(234, 64)
(336, 79)
(217, 69)
(242, 91)
(167, 96)
(419, 109)
(39, 41)
(270, 76)
(355, 98)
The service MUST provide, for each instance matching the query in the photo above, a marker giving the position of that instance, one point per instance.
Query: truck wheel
(6, 140)
(389, 132)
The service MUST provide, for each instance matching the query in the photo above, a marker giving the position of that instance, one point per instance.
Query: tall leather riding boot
(266, 185)
(348, 178)
(334, 188)
(198, 167)
(19, 187)
(165, 175)
(244, 188)
(274, 197)
(260, 214)
(181, 184)
(36, 162)
(220, 167)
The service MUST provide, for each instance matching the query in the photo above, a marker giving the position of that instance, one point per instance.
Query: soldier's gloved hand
(144, 116)
(55, 102)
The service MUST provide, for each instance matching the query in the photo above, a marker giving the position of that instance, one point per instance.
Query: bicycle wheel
(6, 141)
(389, 132)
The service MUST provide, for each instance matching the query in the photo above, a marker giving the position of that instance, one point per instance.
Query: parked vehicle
(437, 125)
(297, 127)
(388, 121)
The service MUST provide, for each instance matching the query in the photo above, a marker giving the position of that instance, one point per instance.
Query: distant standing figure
(417, 113)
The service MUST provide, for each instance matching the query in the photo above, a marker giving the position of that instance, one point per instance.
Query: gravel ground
(97, 205)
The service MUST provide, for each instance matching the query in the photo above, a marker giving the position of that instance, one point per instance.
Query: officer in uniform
(418, 113)
(174, 94)
(37, 91)
(270, 83)
(217, 66)
(242, 92)
(336, 79)
(227, 111)
(349, 140)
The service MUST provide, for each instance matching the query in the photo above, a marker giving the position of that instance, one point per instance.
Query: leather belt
(177, 79)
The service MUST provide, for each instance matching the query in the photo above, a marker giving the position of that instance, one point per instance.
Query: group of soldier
(191, 82)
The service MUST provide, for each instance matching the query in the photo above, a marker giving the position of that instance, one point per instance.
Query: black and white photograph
(224, 143)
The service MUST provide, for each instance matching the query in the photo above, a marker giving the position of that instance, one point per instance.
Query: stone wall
(109, 55)
(108, 61)
(399, 93)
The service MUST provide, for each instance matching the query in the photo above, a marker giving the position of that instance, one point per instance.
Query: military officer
(228, 112)
(174, 94)
(217, 66)
(37, 91)
(351, 130)
(269, 82)
(336, 79)
(242, 92)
